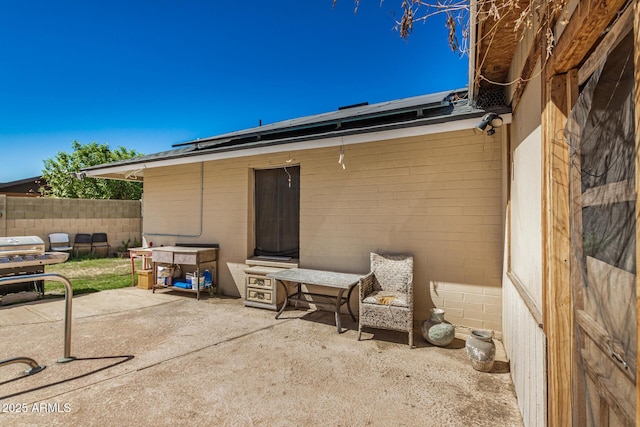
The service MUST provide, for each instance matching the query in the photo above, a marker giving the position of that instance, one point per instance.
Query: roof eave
(136, 167)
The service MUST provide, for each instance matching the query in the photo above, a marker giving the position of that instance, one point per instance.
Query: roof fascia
(284, 146)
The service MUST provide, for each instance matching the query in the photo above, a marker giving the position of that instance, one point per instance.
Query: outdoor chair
(59, 242)
(81, 242)
(98, 242)
(386, 295)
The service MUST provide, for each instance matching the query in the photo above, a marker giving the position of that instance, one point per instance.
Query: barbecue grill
(21, 257)
(25, 255)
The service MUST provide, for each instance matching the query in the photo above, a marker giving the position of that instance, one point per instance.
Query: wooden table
(328, 279)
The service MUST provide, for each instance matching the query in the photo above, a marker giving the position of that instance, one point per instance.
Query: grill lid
(21, 245)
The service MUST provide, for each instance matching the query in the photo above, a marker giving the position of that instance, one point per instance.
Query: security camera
(491, 120)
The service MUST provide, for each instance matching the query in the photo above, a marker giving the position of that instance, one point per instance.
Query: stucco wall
(437, 197)
(36, 216)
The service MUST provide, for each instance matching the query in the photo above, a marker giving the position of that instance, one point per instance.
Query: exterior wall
(524, 340)
(526, 349)
(437, 197)
(526, 192)
(31, 216)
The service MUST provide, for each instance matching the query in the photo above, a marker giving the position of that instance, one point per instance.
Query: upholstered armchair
(386, 295)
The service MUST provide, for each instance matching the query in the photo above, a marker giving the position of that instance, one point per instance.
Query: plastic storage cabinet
(261, 291)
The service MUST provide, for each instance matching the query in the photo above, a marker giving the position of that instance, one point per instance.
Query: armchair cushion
(397, 299)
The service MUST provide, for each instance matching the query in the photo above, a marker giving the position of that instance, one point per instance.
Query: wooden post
(578, 403)
(636, 44)
(559, 95)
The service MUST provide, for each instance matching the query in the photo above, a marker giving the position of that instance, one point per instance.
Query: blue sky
(149, 74)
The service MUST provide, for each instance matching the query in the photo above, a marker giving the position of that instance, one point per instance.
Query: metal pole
(34, 368)
(68, 297)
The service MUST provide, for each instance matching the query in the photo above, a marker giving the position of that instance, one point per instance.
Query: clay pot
(436, 330)
(481, 349)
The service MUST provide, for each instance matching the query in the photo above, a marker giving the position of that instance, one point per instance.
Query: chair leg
(411, 338)
(359, 331)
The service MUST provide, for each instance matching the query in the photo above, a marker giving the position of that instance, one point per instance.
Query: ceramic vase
(481, 350)
(436, 330)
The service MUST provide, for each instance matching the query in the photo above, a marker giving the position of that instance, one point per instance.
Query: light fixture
(490, 120)
(289, 175)
(79, 175)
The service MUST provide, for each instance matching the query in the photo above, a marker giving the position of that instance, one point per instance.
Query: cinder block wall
(36, 216)
(438, 197)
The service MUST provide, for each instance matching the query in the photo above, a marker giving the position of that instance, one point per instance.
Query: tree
(520, 15)
(456, 12)
(62, 182)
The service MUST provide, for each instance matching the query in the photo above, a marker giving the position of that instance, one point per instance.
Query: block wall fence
(37, 216)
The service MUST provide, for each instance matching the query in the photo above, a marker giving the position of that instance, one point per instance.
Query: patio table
(329, 279)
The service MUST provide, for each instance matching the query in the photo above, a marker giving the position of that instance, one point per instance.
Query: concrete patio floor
(167, 359)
